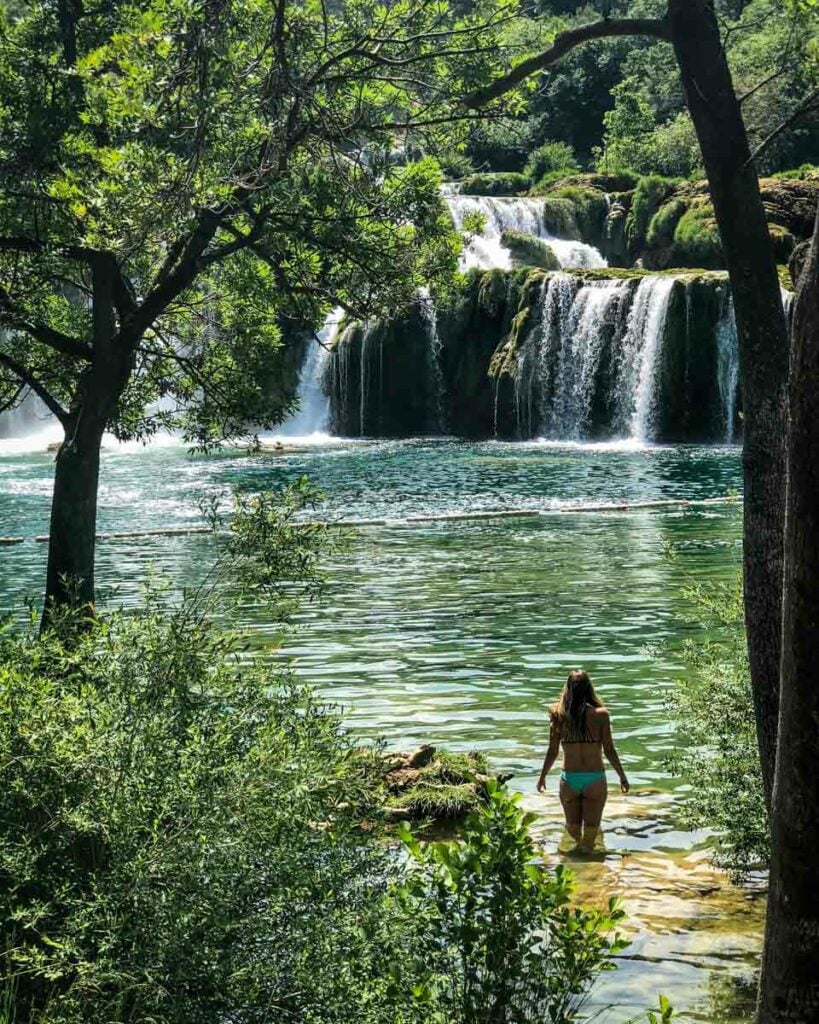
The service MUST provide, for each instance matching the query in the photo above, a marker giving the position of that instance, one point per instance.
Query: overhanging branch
(13, 317)
(563, 43)
(807, 104)
(24, 375)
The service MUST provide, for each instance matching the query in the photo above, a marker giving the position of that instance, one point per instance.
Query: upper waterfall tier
(485, 250)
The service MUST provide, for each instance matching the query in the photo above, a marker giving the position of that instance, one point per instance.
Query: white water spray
(524, 214)
(312, 418)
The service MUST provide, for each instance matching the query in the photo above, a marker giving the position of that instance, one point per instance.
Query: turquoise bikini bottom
(580, 781)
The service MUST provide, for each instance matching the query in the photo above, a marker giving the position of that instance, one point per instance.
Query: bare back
(587, 755)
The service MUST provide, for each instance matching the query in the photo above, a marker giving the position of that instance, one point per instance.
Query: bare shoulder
(602, 714)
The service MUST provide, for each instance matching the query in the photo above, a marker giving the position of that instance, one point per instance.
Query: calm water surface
(459, 632)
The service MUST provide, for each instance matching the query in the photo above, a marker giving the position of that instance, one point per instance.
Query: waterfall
(635, 377)
(590, 365)
(435, 375)
(728, 366)
(312, 415)
(30, 417)
(565, 352)
(485, 251)
(651, 308)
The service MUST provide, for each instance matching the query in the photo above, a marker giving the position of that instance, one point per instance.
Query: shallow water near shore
(459, 633)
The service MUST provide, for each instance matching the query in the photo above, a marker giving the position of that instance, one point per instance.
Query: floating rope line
(440, 517)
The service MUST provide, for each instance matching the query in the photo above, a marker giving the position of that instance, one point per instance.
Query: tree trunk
(788, 988)
(763, 344)
(73, 527)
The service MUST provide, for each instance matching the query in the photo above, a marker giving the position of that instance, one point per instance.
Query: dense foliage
(180, 182)
(619, 104)
(717, 749)
(500, 940)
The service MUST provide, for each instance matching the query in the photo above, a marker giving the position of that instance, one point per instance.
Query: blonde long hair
(569, 712)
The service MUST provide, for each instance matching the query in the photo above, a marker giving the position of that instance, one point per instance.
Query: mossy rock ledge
(432, 785)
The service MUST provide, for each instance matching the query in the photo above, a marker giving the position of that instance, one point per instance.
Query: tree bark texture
(73, 524)
(763, 344)
(789, 988)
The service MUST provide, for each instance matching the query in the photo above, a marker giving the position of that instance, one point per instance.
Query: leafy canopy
(184, 181)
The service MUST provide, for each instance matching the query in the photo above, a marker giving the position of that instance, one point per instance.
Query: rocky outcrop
(655, 222)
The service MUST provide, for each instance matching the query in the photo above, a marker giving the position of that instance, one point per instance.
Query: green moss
(450, 786)
(492, 287)
(649, 195)
(454, 767)
(589, 207)
(696, 237)
(436, 801)
(664, 223)
(559, 218)
(785, 279)
(529, 251)
(629, 274)
(505, 183)
(783, 242)
(804, 173)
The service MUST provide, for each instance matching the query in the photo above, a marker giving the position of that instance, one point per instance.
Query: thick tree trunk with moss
(763, 343)
(788, 988)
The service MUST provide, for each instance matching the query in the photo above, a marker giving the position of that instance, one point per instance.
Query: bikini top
(587, 735)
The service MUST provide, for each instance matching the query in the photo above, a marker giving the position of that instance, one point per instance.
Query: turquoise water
(459, 632)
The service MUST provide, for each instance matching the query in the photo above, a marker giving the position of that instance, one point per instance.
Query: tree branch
(803, 108)
(37, 386)
(13, 317)
(657, 28)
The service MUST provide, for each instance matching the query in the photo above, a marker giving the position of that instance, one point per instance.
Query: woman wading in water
(581, 723)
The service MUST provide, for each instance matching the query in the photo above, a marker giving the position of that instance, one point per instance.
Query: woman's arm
(551, 754)
(611, 753)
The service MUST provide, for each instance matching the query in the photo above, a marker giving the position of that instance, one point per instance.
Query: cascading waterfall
(641, 348)
(499, 214)
(435, 376)
(728, 367)
(583, 334)
(31, 416)
(591, 361)
(313, 413)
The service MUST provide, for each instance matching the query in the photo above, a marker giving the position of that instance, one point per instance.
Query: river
(459, 632)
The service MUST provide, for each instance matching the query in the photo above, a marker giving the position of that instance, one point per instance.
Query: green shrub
(549, 158)
(804, 173)
(500, 938)
(180, 829)
(716, 734)
(696, 238)
(529, 251)
(181, 824)
(502, 183)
